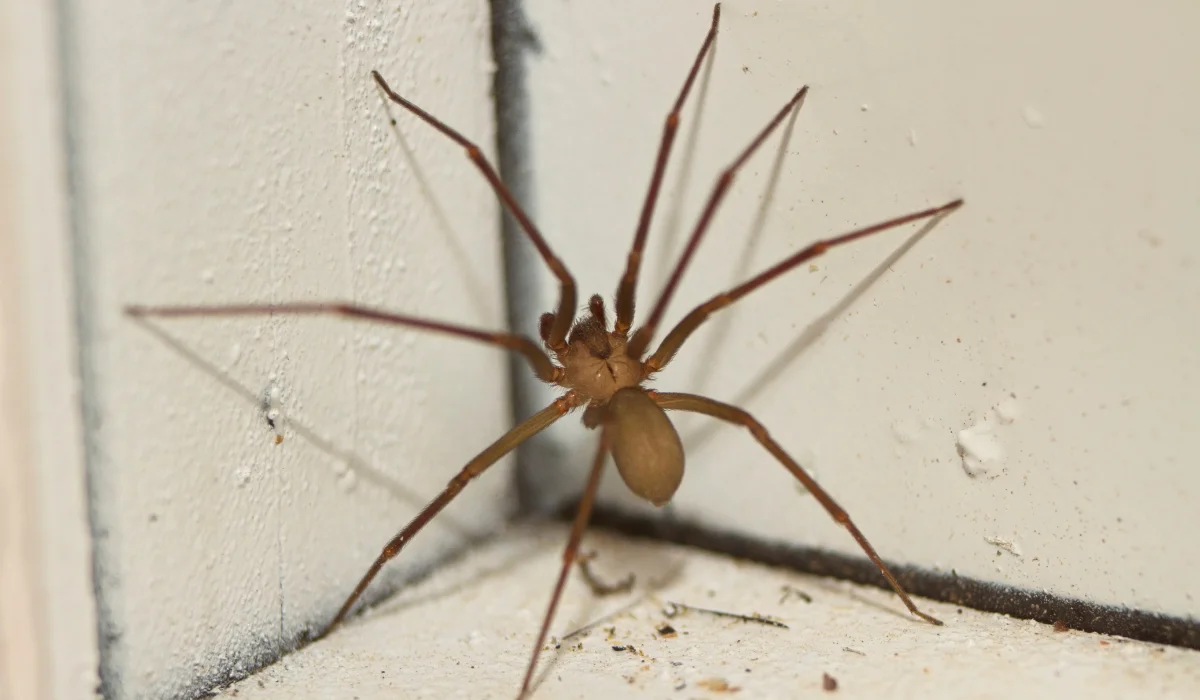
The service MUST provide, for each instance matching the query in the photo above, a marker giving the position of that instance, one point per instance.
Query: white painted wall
(1053, 318)
(241, 153)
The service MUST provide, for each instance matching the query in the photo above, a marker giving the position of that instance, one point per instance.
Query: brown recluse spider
(602, 370)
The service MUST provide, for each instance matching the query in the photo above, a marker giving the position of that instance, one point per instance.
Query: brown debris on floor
(718, 685)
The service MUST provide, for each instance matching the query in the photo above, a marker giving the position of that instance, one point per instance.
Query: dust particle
(718, 685)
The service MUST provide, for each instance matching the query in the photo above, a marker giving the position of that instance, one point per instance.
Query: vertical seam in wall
(81, 274)
(513, 41)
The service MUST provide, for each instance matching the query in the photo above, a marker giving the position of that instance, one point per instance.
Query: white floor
(467, 631)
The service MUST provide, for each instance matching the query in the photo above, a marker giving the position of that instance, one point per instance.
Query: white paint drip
(1004, 543)
(979, 448)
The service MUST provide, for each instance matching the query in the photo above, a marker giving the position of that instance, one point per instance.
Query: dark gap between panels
(937, 585)
(514, 43)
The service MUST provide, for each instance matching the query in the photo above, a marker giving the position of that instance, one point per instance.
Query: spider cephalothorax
(594, 363)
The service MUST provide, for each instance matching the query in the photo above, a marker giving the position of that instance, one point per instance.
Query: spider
(602, 368)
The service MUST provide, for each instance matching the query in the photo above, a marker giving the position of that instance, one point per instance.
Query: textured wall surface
(1015, 396)
(241, 153)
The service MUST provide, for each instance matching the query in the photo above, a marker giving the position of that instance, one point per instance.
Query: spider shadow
(647, 564)
(721, 324)
(396, 603)
(481, 299)
(360, 468)
(813, 332)
(846, 590)
(674, 214)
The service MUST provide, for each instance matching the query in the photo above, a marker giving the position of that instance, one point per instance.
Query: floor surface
(466, 632)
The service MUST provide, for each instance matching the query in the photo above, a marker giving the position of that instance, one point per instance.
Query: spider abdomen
(645, 445)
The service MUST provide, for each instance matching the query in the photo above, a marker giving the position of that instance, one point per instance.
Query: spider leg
(567, 294)
(642, 337)
(627, 290)
(490, 455)
(582, 515)
(735, 415)
(542, 367)
(675, 339)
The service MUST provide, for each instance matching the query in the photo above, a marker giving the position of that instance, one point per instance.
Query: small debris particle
(1151, 239)
(666, 631)
(1103, 643)
(745, 69)
(792, 591)
(619, 647)
(600, 588)
(828, 682)
(854, 651)
(671, 609)
(1060, 626)
(278, 439)
(1005, 544)
(718, 685)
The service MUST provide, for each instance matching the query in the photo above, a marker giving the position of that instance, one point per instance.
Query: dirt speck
(718, 685)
